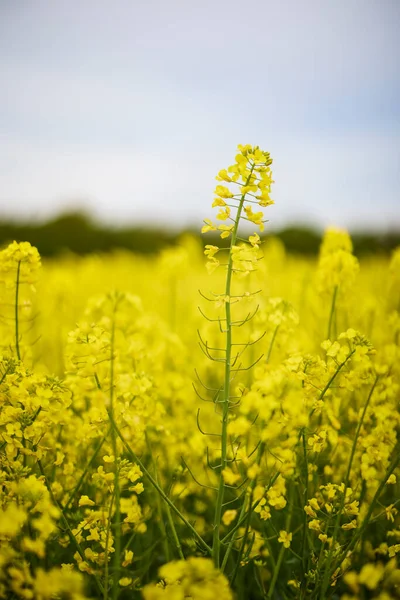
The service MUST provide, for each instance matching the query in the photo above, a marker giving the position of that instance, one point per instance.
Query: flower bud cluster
(249, 182)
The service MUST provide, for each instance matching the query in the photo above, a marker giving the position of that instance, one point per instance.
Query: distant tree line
(77, 233)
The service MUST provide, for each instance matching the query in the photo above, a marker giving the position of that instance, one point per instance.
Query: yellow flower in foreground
(22, 254)
(255, 240)
(108, 458)
(11, 520)
(309, 511)
(391, 512)
(223, 191)
(128, 558)
(224, 214)
(211, 265)
(256, 218)
(229, 476)
(352, 508)
(210, 250)
(351, 525)
(285, 538)
(223, 176)
(315, 524)
(208, 226)
(85, 501)
(58, 583)
(229, 516)
(253, 471)
(194, 578)
(226, 230)
(393, 550)
(218, 202)
(371, 575)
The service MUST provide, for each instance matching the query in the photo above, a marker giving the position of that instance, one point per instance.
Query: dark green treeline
(79, 234)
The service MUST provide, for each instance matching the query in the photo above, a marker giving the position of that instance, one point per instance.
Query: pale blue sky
(130, 108)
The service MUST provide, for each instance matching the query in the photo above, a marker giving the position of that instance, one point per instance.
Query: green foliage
(78, 233)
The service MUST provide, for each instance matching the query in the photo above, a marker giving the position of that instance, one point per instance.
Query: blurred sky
(129, 108)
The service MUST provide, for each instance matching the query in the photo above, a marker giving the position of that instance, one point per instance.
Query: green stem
(173, 302)
(82, 477)
(117, 516)
(233, 538)
(5, 374)
(259, 581)
(359, 425)
(332, 379)
(243, 519)
(378, 492)
(174, 533)
(329, 568)
(333, 306)
(16, 311)
(305, 501)
(68, 529)
(158, 501)
(280, 557)
(272, 343)
(216, 546)
(157, 487)
(253, 482)
(336, 373)
(106, 569)
(358, 533)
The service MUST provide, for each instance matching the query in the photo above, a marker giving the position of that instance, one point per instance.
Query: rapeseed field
(201, 424)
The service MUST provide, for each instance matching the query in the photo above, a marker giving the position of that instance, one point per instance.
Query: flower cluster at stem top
(250, 180)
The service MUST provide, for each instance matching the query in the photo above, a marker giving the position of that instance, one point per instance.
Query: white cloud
(133, 107)
(347, 180)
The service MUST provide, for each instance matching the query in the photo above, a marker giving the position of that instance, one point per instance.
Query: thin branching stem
(280, 556)
(158, 500)
(17, 282)
(332, 311)
(106, 552)
(86, 470)
(329, 569)
(67, 526)
(226, 391)
(154, 483)
(252, 486)
(117, 516)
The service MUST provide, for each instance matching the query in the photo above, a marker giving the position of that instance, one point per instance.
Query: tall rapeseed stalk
(249, 180)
